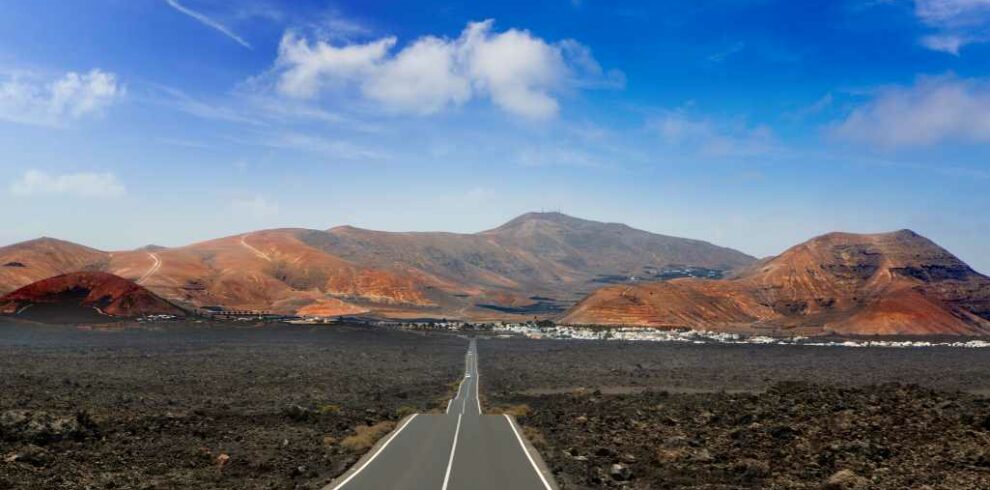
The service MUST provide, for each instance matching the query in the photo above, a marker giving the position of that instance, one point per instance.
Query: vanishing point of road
(460, 449)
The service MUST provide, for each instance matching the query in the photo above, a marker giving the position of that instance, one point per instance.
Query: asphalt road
(462, 449)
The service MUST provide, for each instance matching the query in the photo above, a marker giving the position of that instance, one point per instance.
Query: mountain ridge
(346, 269)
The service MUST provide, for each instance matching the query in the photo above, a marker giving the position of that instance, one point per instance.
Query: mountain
(34, 260)
(84, 296)
(841, 283)
(536, 264)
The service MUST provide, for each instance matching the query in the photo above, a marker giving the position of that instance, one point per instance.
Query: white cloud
(946, 43)
(714, 138)
(957, 22)
(520, 73)
(83, 184)
(213, 24)
(420, 79)
(27, 100)
(931, 111)
(951, 12)
(308, 69)
(254, 207)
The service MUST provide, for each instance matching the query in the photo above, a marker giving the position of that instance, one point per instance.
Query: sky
(753, 124)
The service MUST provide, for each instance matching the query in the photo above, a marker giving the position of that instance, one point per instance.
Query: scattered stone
(29, 454)
(845, 479)
(298, 413)
(38, 426)
(620, 472)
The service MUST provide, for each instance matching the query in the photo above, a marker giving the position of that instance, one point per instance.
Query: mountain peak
(544, 217)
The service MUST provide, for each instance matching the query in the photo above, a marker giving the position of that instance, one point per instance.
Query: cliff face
(881, 284)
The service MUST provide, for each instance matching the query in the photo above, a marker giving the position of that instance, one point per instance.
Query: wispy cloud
(559, 156)
(727, 52)
(83, 184)
(184, 102)
(332, 148)
(815, 108)
(957, 23)
(203, 19)
(712, 137)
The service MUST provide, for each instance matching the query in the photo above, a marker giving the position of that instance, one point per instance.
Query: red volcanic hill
(883, 284)
(84, 296)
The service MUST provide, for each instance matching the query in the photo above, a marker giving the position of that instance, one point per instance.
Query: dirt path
(155, 265)
(253, 250)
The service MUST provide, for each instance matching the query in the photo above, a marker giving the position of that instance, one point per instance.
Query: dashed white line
(453, 448)
(373, 456)
(526, 451)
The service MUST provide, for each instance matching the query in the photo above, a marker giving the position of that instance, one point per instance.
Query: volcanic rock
(84, 295)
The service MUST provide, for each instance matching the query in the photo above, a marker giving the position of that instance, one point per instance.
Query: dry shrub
(535, 437)
(513, 410)
(329, 409)
(365, 437)
(405, 411)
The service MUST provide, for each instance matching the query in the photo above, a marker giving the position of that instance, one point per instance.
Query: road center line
(373, 456)
(453, 448)
(526, 451)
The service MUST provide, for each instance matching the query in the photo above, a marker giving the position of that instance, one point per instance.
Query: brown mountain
(534, 264)
(882, 284)
(33, 260)
(82, 296)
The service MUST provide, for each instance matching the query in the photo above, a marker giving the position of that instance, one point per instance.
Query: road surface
(462, 449)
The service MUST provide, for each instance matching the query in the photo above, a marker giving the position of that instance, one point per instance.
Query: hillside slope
(537, 264)
(881, 284)
(84, 296)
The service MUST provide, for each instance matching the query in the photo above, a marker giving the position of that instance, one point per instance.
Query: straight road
(462, 449)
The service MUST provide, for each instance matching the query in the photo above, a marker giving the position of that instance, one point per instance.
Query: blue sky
(754, 124)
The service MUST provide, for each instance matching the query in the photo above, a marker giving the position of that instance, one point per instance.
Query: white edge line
(453, 448)
(373, 456)
(458, 395)
(526, 451)
(477, 385)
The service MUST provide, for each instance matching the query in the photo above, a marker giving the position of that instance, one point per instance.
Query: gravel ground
(647, 415)
(214, 407)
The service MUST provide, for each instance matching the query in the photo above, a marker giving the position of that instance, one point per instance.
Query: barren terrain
(207, 407)
(648, 415)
